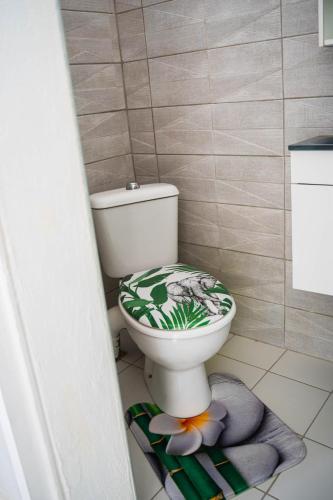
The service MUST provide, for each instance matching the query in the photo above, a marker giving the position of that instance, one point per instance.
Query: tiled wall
(97, 75)
(216, 90)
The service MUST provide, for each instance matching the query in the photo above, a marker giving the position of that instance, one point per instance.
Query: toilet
(179, 316)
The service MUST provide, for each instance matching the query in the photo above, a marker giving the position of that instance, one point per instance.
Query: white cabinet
(312, 218)
(325, 14)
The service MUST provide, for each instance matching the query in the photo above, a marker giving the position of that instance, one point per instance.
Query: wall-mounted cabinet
(325, 13)
(312, 214)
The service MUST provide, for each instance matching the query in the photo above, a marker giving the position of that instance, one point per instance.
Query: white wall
(57, 372)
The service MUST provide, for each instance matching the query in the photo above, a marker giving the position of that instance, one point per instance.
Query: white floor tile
(121, 365)
(322, 428)
(146, 482)
(266, 485)
(252, 352)
(311, 479)
(313, 371)
(161, 495)
(295, 403)
(132, 387)
(131, 352)
(252, 494)
(248, 374)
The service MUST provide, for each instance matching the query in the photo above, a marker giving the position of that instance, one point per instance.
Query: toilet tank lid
(118, 197)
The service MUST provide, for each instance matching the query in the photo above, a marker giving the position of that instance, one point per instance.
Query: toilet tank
(136, 229)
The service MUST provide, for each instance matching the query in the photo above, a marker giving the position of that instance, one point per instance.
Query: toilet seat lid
(175, 297)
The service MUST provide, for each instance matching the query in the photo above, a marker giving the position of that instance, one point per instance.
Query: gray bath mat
(253, 445)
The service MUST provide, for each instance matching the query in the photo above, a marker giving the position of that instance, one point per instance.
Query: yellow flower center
(197, 421)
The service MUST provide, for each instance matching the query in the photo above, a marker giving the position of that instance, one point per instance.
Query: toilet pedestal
(181, 394)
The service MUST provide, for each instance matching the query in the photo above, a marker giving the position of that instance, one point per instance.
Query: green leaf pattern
(175, 297)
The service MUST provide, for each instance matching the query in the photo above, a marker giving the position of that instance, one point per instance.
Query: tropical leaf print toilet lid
(175, 297)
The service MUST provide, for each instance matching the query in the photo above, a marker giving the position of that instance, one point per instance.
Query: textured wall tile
(253, 230)
(308, 68)
(205, 258)
(108, 174)
(312, 302)
(180, 79)
(233, 22)
(198, 223)
(253, 275)
(131, 35)
(193, 189)
(145, 165)
(306, 118)
(97, 87)
(104, 135)
(287, 196)
(259, 320)
(141, 130)
(310, 333)
(246, 72)
(124, 5)
(183, 130)
(88, 5)
(174, 27)
(255, 194)
(299, 17)
(91, 37)
(187, 166)
(137, 84)
(248, 128)
(288, 246)
(250, 168)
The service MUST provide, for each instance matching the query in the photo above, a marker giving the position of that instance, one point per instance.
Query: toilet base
(181, 394)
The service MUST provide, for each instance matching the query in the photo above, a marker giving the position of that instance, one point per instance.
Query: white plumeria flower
(188, 434)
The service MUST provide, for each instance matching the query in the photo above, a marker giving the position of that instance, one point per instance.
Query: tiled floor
(297, 387)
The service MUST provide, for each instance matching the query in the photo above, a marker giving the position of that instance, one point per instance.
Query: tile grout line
(125, 91)
(312, 422)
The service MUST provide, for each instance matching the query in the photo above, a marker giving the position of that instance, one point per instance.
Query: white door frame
(60, 414)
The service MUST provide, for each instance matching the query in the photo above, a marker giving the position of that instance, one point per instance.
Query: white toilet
(177, 315)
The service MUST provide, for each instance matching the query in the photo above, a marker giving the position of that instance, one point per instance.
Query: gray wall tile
(187, 166)
(287, 195)
(141, 130)
(305, 118)
(145, 165)
(183, 130)
(174, 27)
(253, 276)
(104, 135)
(124, 5)
(180, 79)
(132, 35)
(233, 22)
(312, 302)
(108, 174)
(97, 87)
(205, 258)
(299, 17)
(307, 67)
(259, 320)
(255, 194)
(248, 128)
(253, 230)
(137, 84)
(288, 246)
(250, 168)
(198, 223)
(88, 5)
(192, 188)
(91, 37)
(309, 332)
(246, 72)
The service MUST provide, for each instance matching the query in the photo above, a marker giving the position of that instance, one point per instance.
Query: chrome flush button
(132, 185)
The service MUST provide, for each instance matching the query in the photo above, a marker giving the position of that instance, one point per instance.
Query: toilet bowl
(174, 367)
(179, 316)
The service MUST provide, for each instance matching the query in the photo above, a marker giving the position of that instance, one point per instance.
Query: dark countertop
(321, 142)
